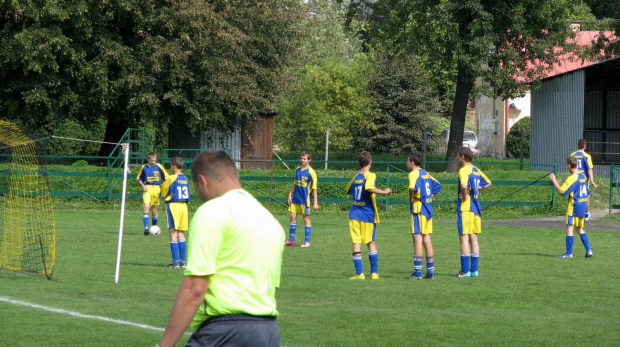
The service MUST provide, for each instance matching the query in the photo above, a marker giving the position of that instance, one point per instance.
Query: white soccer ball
(154, 230)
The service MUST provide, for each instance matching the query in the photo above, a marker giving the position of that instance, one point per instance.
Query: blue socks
(292, 228)
(586, 242)
(465, 263)
(417, 266)
(430, 266)
(308, 230)
(374, 261)
(569, 244)
(475, 259)
(155, 219)
(182, 250)
(357, 261)
(145, 221)
(174, 250)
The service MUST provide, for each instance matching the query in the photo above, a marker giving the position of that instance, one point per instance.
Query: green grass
(525, 295)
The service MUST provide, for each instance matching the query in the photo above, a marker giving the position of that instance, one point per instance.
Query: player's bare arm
(315, 196)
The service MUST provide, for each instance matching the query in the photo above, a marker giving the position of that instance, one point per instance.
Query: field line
(77, 314)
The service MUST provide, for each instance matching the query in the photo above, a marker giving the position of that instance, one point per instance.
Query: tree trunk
(114, 131)
(464, 85)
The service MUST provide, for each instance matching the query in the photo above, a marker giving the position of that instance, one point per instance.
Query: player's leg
(464, 221)
(146, 199)
(292, 226)
(308, 228)
(430, 256)
(182, 247)
(418, 251)
(174, 244)
(570, 239)
(584, 236)
(155, 193)
(475, 247)
(182, 225)
(356, 240)
(373, 254)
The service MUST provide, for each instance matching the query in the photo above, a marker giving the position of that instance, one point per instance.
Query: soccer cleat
(566, 255)
(374, 276)
(413, 277)
(289, 243)
(587, 216)
(173, 265)
(146, 232)
(588, 254)
(474, 274)
(305, 244)
(429, 277)
(182, 265)
(358, 277)
(463, 274)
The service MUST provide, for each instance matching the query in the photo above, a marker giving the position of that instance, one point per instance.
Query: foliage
(328, 89)
(513, 140)
(205, 64)
(405, 102)
(513, 40)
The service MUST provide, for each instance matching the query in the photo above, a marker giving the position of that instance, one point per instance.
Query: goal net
(27, 230)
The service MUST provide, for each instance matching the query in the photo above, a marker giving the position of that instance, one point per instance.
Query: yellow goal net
(27, 229)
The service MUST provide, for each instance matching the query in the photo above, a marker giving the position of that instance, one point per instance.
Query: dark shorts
(236, 330)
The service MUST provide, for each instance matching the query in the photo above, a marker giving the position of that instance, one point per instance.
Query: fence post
(555, 172)
(109, 179)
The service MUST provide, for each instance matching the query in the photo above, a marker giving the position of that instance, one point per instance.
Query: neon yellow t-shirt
(235, 241)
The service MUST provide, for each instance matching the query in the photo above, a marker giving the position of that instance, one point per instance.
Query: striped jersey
(364, 205)
(474, 179)
(576, 188)
(423, 186)
(305, 182)
(155, 174)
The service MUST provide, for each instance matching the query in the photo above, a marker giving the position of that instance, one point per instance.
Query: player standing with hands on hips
(576, 188)
(234, 261)
(468, 211)
(151, 176)
(304, 185)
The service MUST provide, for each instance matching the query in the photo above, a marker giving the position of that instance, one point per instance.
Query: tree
(405, 102)
(504, 43)
(206, 64)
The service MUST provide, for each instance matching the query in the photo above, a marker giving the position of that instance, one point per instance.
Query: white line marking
(77, 314)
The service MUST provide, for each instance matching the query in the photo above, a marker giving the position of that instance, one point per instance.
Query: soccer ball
(154, 230)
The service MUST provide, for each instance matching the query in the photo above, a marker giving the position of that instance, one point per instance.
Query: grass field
(525, 295)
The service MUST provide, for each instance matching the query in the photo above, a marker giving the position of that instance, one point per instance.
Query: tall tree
(504, 43)
(203, 63)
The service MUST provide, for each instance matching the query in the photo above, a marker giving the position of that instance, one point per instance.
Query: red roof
(570, 61)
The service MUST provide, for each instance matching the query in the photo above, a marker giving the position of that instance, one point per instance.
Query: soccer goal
(27, 228)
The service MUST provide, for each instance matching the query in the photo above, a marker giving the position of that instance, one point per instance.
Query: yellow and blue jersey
(584, 162)
(155, 174)
(576, 188)
(176, 188)
(305, 182)
(424, 186)
(364, 206)
(474, 179)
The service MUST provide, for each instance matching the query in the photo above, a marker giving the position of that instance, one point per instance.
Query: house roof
(570, 61)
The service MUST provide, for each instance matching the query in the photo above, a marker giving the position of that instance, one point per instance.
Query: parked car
(469, 139)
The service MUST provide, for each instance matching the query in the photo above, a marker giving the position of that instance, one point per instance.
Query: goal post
(27, 227)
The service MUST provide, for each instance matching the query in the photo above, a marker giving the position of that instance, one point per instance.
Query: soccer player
(234, 262)
(151, 176)
(304, 185)
(584, 165)
(468, 217)
(422, 188)
(576, 188)
(364, 216)
(175, 192)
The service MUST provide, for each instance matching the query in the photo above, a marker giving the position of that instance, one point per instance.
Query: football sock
(417, 265)
(145, 220)
(465, 263)
(307, 230)
(374, 261)
(569, 244)
(291, 230)
(357, 261)
(475, 259)
(155, 219)
(174, 250)
(182, 250)
(430, 266)
(585, 241)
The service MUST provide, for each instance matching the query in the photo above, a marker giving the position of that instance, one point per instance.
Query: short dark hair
(572, 162)
(152, 154)
(364, 159)
(307, 154)
(581, 144)
(214, 164)
(416, 158)
(466, 153)
(177, 161)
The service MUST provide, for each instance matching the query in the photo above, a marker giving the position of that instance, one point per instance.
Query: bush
(513, 141)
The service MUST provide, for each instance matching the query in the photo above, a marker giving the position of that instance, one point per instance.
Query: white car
(469, 139)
